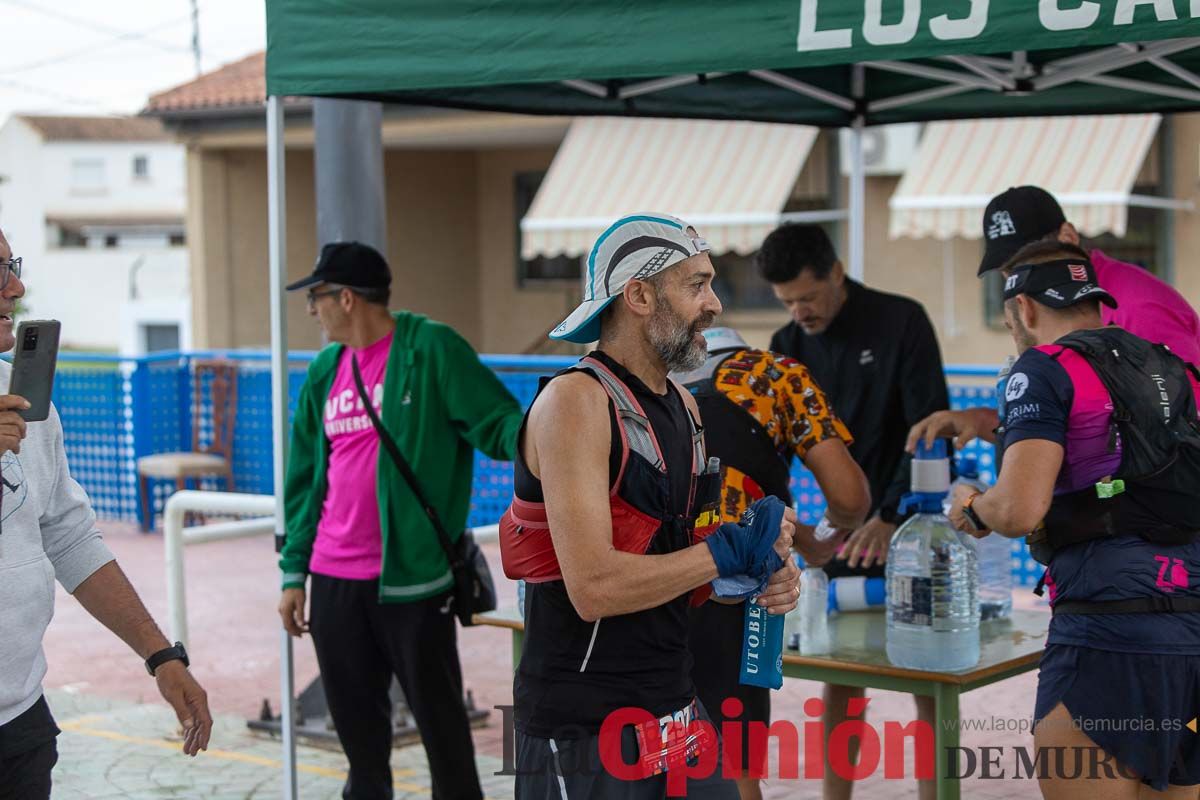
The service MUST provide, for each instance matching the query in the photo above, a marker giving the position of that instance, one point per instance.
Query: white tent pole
(277, 237)
(857, 183)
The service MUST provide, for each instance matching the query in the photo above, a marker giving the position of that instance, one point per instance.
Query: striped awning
(729, 179)
(1088, 163)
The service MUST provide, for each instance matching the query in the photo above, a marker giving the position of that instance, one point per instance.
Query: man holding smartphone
(48, 531)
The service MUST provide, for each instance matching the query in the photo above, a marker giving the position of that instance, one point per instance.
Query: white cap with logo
(635, 247)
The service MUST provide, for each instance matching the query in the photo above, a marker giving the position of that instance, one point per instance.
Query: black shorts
(565, 769)
(715, 638)
(1134, 706)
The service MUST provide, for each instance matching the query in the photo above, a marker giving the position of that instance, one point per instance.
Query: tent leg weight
(315, 727)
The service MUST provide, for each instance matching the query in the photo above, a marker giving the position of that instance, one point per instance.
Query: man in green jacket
(381, 585)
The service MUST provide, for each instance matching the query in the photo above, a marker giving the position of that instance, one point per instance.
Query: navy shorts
(1134, 706)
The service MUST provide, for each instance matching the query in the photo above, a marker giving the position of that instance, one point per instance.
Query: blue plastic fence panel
(115, 411)
(93, 402)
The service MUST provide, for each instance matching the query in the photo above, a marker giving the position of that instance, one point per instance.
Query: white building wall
(102, 295)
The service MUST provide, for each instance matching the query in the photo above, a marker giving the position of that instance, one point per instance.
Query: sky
(85, 57)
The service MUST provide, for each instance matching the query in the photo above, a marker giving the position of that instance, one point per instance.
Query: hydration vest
(1154, 493)
(526, 546)
(734, 433)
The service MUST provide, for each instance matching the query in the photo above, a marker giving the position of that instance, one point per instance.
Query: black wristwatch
(174, 653)
(972, 515)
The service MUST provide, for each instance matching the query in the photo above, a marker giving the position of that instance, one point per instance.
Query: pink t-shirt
(349, 542)
(1149, 307)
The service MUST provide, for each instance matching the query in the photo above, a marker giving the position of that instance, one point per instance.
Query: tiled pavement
(120, 741)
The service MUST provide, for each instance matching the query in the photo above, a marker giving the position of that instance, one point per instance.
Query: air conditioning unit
(887, 149)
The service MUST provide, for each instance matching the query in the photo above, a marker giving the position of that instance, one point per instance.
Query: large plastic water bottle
(932, 608)
(993, 554)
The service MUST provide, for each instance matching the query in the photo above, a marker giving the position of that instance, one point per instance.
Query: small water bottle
(932, 575)
(857, 593)
(814, 602)
(814, 612)
(993, 553)
(521, 597)
(791, 622)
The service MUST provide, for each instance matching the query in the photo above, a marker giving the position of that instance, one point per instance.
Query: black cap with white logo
(1058, 284)
(348, 264)
(1013, 219)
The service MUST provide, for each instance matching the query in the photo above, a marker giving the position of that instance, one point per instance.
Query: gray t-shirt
(47, 531)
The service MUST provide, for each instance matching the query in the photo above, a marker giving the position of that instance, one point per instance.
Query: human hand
(783, 590)
(964, 426)
(868, 544)
(291, 610)
(12, 426)
(190, 703)
(817, 552)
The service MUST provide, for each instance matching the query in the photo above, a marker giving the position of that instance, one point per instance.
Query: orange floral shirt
(782, 396)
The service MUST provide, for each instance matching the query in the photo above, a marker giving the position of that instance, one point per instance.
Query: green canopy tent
(816, 62)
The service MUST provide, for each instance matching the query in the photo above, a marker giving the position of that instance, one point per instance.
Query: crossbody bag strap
(402, 464)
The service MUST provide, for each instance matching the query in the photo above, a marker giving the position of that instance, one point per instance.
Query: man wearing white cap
(610, 480)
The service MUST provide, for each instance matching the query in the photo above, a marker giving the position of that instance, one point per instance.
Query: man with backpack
(1101, 463)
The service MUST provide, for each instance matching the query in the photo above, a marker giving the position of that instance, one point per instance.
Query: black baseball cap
(349, 264)
(1013, 219)
(1058, 284)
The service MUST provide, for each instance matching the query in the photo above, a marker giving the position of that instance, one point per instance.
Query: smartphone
(34, 362)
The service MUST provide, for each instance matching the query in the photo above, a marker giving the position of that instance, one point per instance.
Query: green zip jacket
(440, 404)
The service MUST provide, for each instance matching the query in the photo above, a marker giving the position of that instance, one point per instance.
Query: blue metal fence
(117, 410)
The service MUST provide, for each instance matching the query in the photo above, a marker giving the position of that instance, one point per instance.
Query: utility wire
(70, 55)
(90, 24)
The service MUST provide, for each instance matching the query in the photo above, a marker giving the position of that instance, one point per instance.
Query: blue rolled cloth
(744, 551)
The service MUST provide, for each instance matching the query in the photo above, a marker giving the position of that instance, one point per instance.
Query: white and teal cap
(634, 247)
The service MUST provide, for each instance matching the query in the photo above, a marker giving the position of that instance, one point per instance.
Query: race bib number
(672, 740)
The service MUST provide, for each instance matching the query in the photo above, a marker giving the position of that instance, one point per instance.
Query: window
(539, 268)
(141, 168)
(161, 337)
(1141, 245)
(71, 237)
(87, 175)
(738, 284)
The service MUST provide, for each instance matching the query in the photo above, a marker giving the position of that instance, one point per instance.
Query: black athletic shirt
(574, 673)
(879, 363)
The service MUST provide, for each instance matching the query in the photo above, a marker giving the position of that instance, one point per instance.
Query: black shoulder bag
(474, 589)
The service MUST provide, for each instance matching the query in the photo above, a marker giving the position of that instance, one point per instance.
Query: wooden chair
(215, 381)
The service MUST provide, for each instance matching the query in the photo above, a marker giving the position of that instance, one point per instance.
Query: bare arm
(1022, 494)
(842, 481)
(110, 598)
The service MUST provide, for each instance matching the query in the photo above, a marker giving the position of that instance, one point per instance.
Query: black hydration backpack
(1155, 493)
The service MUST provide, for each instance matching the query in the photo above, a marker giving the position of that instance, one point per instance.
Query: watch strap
(970, 513)
(176, 652)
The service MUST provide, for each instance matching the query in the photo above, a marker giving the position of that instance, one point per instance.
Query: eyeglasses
(10, 268)
(311, 297)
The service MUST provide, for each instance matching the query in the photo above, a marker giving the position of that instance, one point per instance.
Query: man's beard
(674, 339)
(1022, 336)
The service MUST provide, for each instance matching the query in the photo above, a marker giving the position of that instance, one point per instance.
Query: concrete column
(351, 204)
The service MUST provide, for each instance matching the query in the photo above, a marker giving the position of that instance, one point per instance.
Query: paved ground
(118, 737)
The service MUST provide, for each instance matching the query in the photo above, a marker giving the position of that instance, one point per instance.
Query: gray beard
(675, 341)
